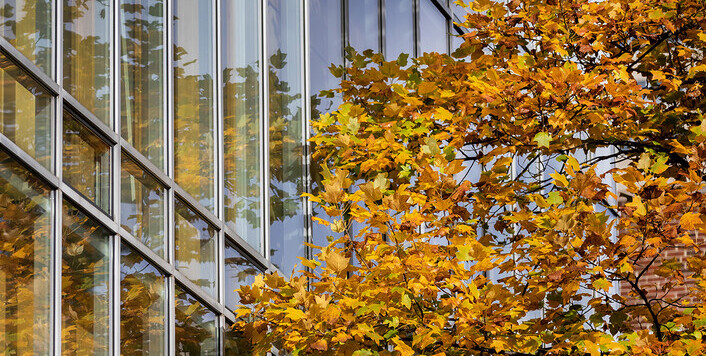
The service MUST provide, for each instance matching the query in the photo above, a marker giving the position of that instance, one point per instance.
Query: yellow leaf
(319, 345)
(336, 261)
(689, 221)
(402, 348)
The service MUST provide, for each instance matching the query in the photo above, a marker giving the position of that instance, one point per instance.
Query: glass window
(142, 206)
(86, 162)
(25, 253)
(432, 28)
(142, 76)
(399, 28)
(236, 343)
(27, 25)
(195, 248)
(85, 286)
(87, 54)
(241, 111)
(364, 25)
(193, 100)
(195, 327)
(287, 219)
(25, 112)
(239, 271)
(142, 306)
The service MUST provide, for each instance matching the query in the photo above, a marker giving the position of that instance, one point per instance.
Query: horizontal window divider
(208, 215)
(244, 247)
(206, 299)
(89, 208)
(28, 66)
(146, 164)
(147, 253)
(29, 162)
(94, 123)
(230, 317)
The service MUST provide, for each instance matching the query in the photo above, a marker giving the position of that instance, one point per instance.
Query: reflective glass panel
(85, 284)
(195, 327)
(432, 28)
(399, 28)
(25, 252)
(142, 76)
(142, 306)
(142, 206)
(364, 25)
(286, 132)
(87, 54)
(236, 344)
(27, 25)
(86, 162)
(195, 248)
(239, 271)
(25, 112)
(193, 100)
(241, 110)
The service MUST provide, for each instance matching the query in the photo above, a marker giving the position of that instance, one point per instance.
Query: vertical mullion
(381, 27)
(57, 122)
(417, 36)
(114, 285)
(265, 131)
(169, 170)
(308, 209)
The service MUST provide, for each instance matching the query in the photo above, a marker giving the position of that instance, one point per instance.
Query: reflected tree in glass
(241, 111)
(25, 252)
(142, 77)
(194, 327)
(27, 25)
(85, 285)
(236, 343)
(142, 306)
(86, 54)
(195, 248)
(142, 206)
(193, 100)
(239, 271)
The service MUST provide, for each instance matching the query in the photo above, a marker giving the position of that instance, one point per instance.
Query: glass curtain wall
(28, 26)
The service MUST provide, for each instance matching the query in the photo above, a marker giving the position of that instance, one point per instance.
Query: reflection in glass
(399, 28)
(142, 76)
(326, 50)
(239, 271)
(193, 100)
(195, 327)
(142, 206)
(25, 112)
(27, 25)
(86, 162)
(87, 54)
(25, 252)
(432, 28)
(287, 219)
(195, 248)
(241, 110)
(364, 25)
(85, 285)
(142, 306)
(236, 343)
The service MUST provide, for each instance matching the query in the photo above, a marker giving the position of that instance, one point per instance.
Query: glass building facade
(153, 155)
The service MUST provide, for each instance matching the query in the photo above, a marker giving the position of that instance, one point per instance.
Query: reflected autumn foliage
(27, 25)
(85, 285)
(25, 251)
(239, 271)
(195, 327)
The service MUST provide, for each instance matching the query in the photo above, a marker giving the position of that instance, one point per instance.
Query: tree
(481, 185)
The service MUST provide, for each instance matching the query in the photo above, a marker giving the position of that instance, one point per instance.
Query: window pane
(25, 252)
(432, 28)
(239, 271)
(142, 306)
(195, 327)
(364, 25)
(84, 285)
(142, 206)
(25, 112)
(236, 343)
(87, 54)
(86, 162)
(27, 25)
(193, 100)
(287, 229)
(195, 248)
(399, 28)
(241, 110)
(142, 76)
